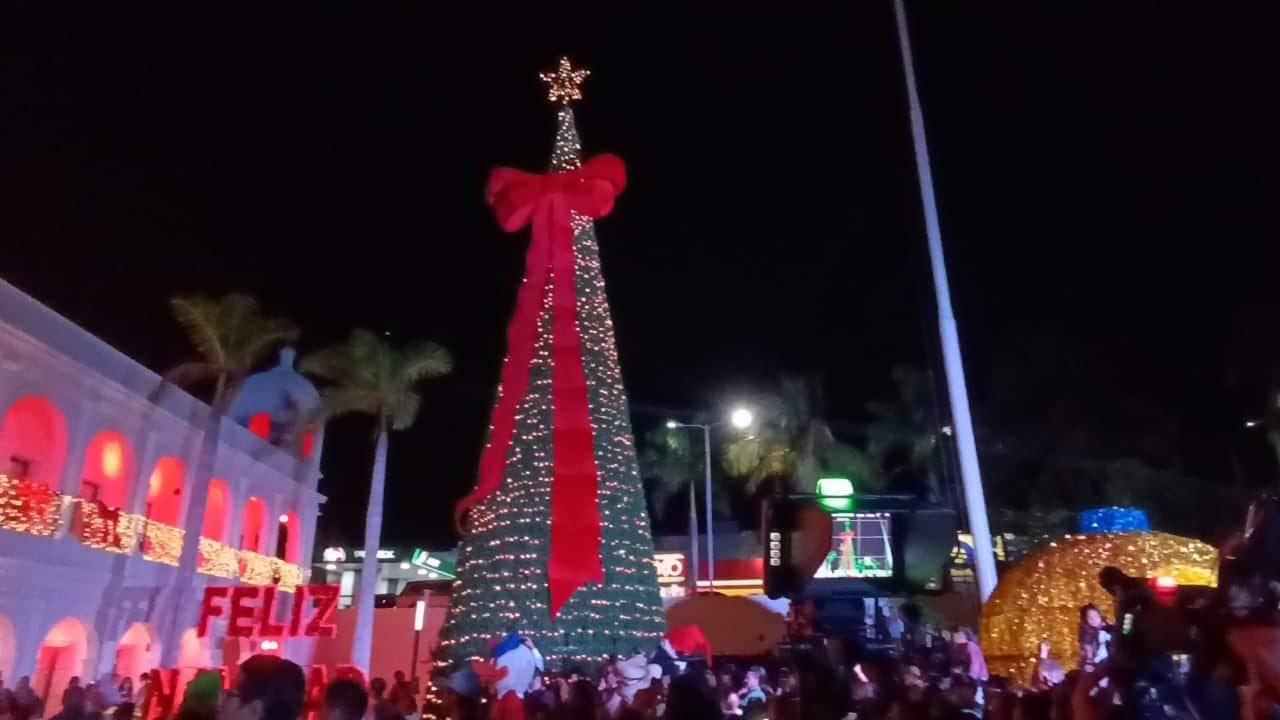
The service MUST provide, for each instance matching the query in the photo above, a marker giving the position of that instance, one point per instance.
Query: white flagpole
(976, 505)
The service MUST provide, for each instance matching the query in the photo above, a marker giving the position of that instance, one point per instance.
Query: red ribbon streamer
(547, 202)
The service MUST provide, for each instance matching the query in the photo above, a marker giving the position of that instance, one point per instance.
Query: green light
(836, 503)
(834, 487)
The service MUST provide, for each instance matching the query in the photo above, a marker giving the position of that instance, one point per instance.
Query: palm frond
(423, 360)
(340, 400)
(334, 364)
(198, 316)
(192, 373)
(266, 335)
(367, 365)
(404, 411)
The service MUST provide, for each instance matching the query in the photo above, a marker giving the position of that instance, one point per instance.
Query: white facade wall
(46, 580)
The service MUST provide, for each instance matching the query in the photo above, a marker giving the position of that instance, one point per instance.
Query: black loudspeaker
(928, 539)
(797, 536)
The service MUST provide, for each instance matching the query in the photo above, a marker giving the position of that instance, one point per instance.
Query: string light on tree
(503, 581)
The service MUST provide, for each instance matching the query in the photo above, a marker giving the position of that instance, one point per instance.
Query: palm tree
(903, 438)
(792, 441)
(669, 463)
(231, 336)
(370, 376)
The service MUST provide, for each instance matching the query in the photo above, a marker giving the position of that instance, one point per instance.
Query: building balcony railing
(217, 559)
(31, 508)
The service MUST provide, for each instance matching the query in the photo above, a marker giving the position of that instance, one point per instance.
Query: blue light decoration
(1113, 520)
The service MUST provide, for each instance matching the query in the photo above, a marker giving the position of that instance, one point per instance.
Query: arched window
(108, 469)
(64, 653)
(289, 538)
(33, 442)
(253, 529)
(217, 510)
(164, 491)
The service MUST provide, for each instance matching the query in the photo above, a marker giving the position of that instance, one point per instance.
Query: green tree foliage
(791, 440)
(369, 375)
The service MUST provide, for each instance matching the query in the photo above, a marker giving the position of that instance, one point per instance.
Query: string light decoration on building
(1040, 597)
(162, 543)
(502, 580)
(218, 559)
(29, 507)
(105, 528)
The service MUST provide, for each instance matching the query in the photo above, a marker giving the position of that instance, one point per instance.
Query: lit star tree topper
(564, 86)
(557, 544)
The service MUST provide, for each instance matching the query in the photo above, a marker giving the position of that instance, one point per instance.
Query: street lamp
(740, 418)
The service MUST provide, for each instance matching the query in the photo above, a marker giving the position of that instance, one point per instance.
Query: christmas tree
(539, 508)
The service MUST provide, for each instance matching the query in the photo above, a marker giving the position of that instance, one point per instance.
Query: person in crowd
(75, 705)
(269, 688)
(383, 708)
(967, 655)
(1095, 638)
(689, 698)
(124, 710)
(730, 703)
(580, 700)
(344, 700)
(202, 697)
(755, 687)
(26, 704)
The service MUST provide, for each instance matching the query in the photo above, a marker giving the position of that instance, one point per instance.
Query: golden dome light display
(1040, 597)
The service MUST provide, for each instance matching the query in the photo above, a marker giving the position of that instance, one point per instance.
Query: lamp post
(741, 419)
(693, 525)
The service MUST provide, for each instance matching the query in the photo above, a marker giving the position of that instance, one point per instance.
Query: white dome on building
(282, 393)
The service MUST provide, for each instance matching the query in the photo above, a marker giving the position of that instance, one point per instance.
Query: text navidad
(256, 612)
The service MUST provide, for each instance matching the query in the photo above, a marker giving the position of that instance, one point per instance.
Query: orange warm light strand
(31, 508)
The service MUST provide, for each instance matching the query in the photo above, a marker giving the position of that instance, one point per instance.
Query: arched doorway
(108, 469)
(253, 529)
(289, 538)
(164, 491)
(137, 652)
(64, 653)
(8, 649)
(217, 510)
(33, 442)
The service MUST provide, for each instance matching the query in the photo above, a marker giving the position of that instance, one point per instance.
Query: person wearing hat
(635, 687)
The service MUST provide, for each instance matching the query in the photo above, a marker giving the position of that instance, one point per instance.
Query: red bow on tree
(548, 203)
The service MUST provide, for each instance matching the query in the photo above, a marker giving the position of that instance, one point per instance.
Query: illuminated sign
(382, 554)
(252, 611)
(432, 567)
(835, 493)
(670, 568)
(334, 554)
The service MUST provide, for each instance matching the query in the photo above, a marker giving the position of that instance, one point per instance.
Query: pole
(970, 475)
(711, 531)
(419, 611)
(693, 534)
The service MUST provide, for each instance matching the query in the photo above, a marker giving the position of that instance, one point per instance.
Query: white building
(96, 456)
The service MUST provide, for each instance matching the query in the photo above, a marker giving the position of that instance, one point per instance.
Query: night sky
(1106, 175)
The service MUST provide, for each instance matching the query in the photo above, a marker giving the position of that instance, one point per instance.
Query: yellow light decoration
(29, 507)
(1040, 597)
(161, 543)
(256, 568)
(103, 530)
(218, 559)
(565, 84)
